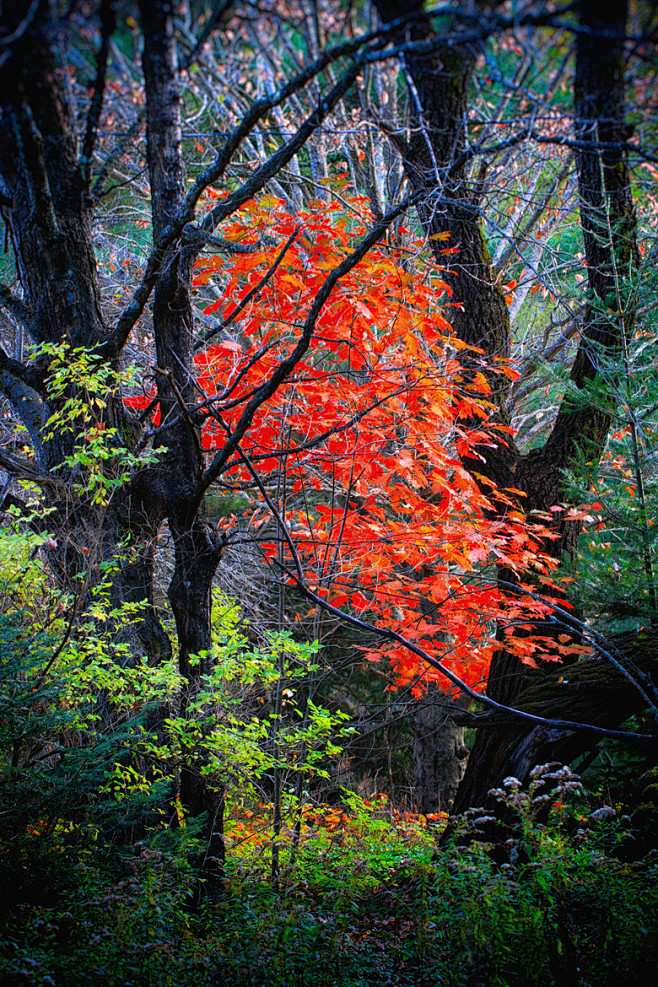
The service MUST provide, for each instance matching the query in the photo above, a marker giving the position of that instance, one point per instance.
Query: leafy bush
(368, 899)
(95, 885)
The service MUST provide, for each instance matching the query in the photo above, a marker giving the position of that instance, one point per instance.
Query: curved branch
(108, 21)
(390, 635)
(32, 376)
(240, 307)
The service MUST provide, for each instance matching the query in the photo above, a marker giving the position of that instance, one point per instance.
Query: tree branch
(285, 368)
(32, 376)
(220, 8)
(108, 21)
(198, 237)
(22, 469)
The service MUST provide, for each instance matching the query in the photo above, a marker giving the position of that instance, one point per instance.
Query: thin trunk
(197, 545)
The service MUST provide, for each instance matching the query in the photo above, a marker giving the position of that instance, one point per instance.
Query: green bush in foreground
(94, 882)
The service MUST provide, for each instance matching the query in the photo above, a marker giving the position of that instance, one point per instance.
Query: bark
(49, 217)
(438, 753)
(591, 691)
(439, 90)
(581, 427)
(435, 164)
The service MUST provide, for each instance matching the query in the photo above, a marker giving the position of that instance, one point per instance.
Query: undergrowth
(367, 896)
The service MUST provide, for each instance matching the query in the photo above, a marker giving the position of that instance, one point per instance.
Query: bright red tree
(362, 445)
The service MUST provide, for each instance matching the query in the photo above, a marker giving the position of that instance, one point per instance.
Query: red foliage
(363, 445)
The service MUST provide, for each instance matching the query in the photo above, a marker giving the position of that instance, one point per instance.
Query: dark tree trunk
(581, 428)
(48, 214)
(197, 546)
(439, 93)
(590, 691)
(433, 160)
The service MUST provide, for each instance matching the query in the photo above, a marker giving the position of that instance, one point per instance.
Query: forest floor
(365, 895)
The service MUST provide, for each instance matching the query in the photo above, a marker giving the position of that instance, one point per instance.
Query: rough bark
(590, 691)
(581, 428)
(439, 754)
(439, 90)
(435, 164)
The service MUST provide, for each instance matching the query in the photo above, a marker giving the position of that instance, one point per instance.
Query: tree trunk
(439, 92)
(48, 214)
(438, 753)
(581, 427)
(591, 691)
(197, 546)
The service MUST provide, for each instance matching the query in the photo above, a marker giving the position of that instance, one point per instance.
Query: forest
(328, 591)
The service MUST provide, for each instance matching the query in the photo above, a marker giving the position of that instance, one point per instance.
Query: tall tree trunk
(581, 428)
(439, 89)
(197, 546)
(439, 84)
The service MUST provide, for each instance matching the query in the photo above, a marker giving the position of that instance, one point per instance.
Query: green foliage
(615, 569)
(81, 386)
(91, 743)
(369, 900)
(94, 879)
(95, 883)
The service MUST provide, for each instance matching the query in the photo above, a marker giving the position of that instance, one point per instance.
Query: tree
(436, 160)
(108, 479)
(331, 344)
(48, 204)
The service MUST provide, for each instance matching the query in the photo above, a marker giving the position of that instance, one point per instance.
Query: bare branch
(220, 8)
(98, 190)
(108, 21)
(197, 238)
(263, 106)
(31, 376)
(23, 469)
(6, 40)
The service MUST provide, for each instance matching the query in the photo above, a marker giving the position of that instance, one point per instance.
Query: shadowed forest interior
(328, 601)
